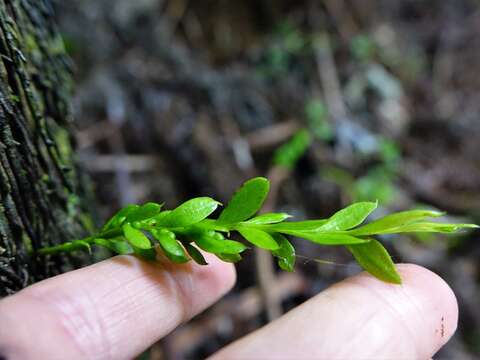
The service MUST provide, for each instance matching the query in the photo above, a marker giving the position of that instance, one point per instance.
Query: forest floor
(177, 98)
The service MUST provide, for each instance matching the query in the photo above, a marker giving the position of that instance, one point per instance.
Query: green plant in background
(180, 233)
(317, 119)
(362, 48)
(377, 183)
(289, 153)
(291, 37)
(286, 42)
(389, 152)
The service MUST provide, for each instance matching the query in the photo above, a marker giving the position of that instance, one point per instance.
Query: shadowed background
(334, 101)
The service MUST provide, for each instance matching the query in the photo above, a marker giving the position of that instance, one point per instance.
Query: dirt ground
(179, 98)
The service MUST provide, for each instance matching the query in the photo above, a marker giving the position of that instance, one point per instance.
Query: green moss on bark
(40, 184)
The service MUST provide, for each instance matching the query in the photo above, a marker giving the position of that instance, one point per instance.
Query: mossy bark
(41, 188)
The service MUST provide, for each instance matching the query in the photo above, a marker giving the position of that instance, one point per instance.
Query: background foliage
(336, 101)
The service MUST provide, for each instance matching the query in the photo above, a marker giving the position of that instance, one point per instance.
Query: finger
(361, 318)
(111, 310)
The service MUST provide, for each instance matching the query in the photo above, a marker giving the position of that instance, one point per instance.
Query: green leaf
(269, 218)
(326, 238)
(349, 217)
(317, 118)
(394, 221)
(118, 219)
(231, 258)
(195, 254)
(246, 201)
(190, 212)
(144, 212)
(215, 243)
(146, 254)
(259, 238)
(429, 227)
(157, 220)
(374, 258)
(211, 224)
(136, 237)
(285, 253)
(170, 246)
(116, 245)
(289, 153)
(307, 225)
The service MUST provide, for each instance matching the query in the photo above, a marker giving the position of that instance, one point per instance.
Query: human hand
(115, 309)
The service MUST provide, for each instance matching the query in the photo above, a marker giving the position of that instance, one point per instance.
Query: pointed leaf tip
(349, 217)
(195, 254)
(392, 222)
(269, 218)
(246, 201)
(375, 259)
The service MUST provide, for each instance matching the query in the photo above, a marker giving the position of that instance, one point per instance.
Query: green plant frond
(181, 232)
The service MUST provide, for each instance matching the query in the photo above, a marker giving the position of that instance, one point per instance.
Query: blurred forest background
(335, 101)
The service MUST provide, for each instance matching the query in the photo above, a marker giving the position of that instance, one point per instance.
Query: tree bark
(42, 192)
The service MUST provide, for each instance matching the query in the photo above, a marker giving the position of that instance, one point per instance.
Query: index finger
(110, 310)
(360, 318)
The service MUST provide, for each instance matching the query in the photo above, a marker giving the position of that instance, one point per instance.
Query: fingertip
(361, 318)
(439, 296)
(222, 275)
(424, 299)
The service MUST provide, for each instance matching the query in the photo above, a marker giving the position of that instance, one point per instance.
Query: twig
(327, 72)
(272, 136)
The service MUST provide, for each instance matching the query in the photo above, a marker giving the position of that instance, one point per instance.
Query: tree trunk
(41, 188)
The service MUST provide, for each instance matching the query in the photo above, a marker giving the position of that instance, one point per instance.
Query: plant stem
(78, 244)
(66, 247)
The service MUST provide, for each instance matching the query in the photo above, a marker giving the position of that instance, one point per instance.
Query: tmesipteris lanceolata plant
(180, 233)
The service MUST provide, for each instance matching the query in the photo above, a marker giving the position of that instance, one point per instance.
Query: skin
(116, 308)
